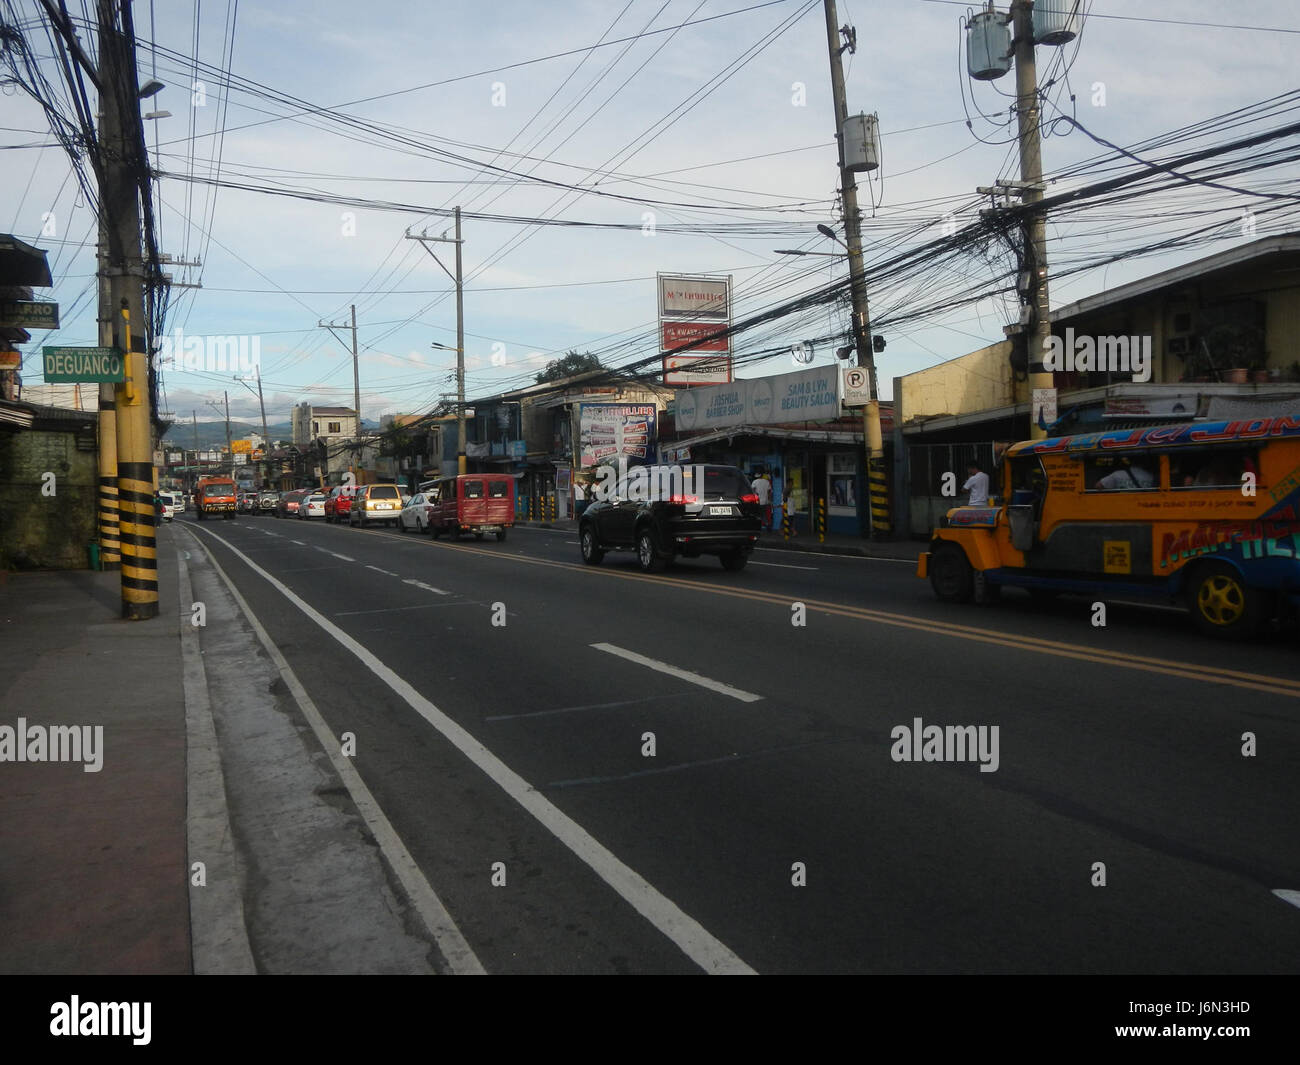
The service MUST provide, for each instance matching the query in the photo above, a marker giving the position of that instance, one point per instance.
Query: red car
(338, 504)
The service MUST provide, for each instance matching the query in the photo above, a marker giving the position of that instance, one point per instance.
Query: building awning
(21, 264)
(807, 436)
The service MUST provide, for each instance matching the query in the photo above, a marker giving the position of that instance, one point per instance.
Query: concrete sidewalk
(93, 874)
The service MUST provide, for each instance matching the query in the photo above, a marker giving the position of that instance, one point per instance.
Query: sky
(731, 117)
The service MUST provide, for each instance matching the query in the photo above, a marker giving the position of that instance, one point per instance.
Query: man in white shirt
(977, 484)
(1128, 476)
(763, 489)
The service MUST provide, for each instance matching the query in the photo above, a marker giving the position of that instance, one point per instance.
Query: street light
(829, 254)
(152, 87)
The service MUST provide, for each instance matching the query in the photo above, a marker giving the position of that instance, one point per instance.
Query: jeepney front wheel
(1222, 604)
(951, 575)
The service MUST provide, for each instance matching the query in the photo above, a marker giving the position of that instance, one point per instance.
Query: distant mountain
(213, 434)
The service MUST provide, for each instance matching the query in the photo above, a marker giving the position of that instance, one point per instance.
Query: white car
(172, 504)
(312, 507)
(415, 515)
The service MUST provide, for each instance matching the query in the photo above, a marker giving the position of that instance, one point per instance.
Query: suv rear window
(498, 490)
(384, 491)
(721, 482)
(473, 489)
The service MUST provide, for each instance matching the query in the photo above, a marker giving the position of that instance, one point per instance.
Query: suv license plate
(719, 512)
(383, 506)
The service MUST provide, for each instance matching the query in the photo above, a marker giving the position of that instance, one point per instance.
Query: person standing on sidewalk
(763, 489)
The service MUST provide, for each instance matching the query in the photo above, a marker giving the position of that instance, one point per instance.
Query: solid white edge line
(457, 952)
(681, 674)
(692, 938)
(1288, 895)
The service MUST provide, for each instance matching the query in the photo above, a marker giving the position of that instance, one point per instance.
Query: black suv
(664, 511)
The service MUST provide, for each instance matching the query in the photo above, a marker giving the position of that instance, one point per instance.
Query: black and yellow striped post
(109, 547)
(821, 520)
(785, 519)
(879, 495)
(135, 494)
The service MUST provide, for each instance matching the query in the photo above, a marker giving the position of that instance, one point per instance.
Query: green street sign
(25, 314)
(105, 365)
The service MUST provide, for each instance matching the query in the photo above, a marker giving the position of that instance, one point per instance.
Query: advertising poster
(610, 431)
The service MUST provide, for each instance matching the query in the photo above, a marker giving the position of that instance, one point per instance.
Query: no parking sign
(857, 387)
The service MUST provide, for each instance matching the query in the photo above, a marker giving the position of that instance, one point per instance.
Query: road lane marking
(391, 609)
(426, 587)
(298, 542)
(1287, 895)
(692, 938)
(345, 558)
(735, 756)
(589, 706)
(450, 941)
(679, 673)
(933, 627)
(782, 565)
(385, 572)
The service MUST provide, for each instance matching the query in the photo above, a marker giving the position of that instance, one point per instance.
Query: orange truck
(215, 497)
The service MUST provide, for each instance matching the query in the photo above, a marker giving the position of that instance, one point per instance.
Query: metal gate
(926, 466)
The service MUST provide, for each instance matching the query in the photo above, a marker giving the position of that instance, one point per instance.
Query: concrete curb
(218, 932)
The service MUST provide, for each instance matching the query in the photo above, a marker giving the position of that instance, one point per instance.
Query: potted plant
(1235, 348)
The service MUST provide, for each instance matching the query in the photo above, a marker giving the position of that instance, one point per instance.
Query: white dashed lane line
(426, 587)
(681, 674)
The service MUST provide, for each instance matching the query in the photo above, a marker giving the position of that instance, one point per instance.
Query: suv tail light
(751, 498)
(684, 501)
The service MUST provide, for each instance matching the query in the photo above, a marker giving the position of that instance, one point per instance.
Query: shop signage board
(810, 395)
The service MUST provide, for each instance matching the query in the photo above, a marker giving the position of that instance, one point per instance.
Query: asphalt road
(1119, 756)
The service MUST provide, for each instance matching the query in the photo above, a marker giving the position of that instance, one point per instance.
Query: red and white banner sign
(692, 369)
(675, 334)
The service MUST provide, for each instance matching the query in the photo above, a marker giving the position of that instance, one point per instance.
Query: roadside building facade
(1216, 338)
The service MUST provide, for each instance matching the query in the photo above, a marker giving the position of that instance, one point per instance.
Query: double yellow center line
(1184, 670)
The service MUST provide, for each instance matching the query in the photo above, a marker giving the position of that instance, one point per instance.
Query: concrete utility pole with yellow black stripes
(877, 483)
(123, 167)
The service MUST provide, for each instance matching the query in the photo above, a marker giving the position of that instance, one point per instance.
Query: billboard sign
(678, 334)
(610, 431)
(803, 396)
(698, 298)
(241, 447)
(692, 369)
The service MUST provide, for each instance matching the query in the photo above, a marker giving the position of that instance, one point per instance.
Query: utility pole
(266, 443)
(110, 557)
(266, 437)
(123, 166)
(458, 279)
(875, 450)
(1031, 174)
(194, 421)
(356, 374)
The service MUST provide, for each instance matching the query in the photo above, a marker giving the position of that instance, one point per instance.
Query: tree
(572, 363)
